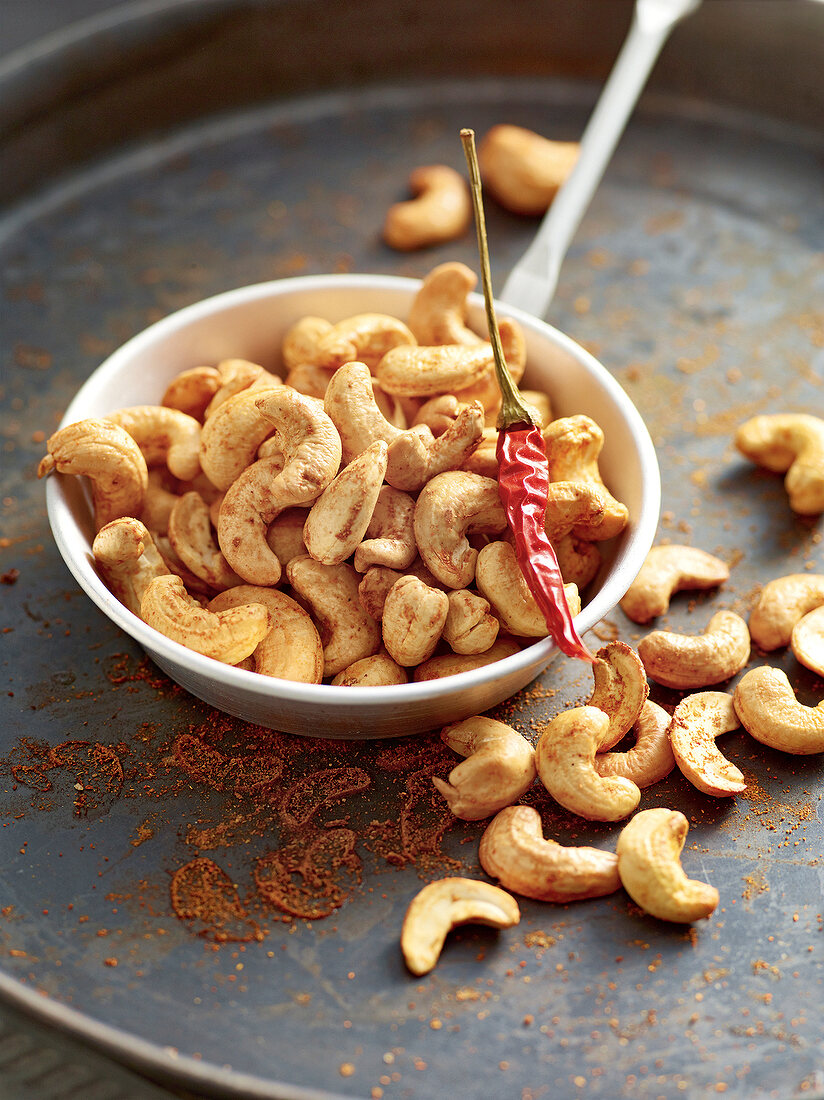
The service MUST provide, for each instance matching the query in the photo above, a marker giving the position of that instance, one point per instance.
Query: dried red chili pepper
(523, 470)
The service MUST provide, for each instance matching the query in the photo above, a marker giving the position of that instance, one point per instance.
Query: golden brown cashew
(565, 758)
(413, 620)
(469, 626)
(791, 442)
(694, 661)
(649, 863)
(312, 452)
(127, 560)
(300, 344)
(228, 636)
(351, 405)
(449, 507)
(191, 391)
(331, 591)
(620, 689)
(650, 759)
(438, 312)
(500, 580)
(573, 506)
(696, 722)
(190, 533)
(440, 368)
(285, 535)
(415, 457)
(522, 169)
(441, 906)
(667, 570)
(498, 769)
(451, 664)
(578, 560)
(376, 671)
(106, 454)
(781, 604)
(573, 446)
(364, 338)
(440, 212)
(163, 435)
(514, 851)
(231, 437)
(807, 641)
(438, 413)
(769, 711)
(338, 519)
(390, 535)
(292, 649)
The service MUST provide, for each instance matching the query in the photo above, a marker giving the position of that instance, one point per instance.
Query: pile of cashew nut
(341, 523)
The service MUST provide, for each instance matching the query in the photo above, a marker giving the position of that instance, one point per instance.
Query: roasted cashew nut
(441, 906)
(339, 518)
(351, 405)
(498, 769)
(791, 442)
(292, 649)
(486, 389)
(620, 689)
(191, 391)
(769, 711)
(438, 311)
(311, 457)
(347, 632)
(651, 758)
(163, 435)
(469, 626)
(106, 454)
(565, 759)
(376, 671)
(451, 664)
(688, 661)
(366, 337)
(229, 636)
(127, 559)
(449, 507)
(415, 457)
(578, 560)
(781, 604)
(413, 620)
(649, 863)
(500, 580)
(573, 447)
(190, 533)
(439, 368)
(300, 344)
(514, 851)
(441, 210)
(390, 535)
(696, 722)
(574, 507)
(524, 170)
(667, 570)
(231, 437)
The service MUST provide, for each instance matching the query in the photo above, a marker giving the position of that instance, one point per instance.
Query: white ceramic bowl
(249, 323)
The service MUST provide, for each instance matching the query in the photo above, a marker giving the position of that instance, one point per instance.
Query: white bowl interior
(250, 323)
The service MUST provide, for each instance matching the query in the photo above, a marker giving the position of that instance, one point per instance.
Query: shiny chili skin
(523, 480)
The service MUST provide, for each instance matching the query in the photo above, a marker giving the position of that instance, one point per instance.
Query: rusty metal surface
(697, 277)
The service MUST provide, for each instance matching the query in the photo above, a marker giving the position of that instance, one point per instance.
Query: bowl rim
(538, 654)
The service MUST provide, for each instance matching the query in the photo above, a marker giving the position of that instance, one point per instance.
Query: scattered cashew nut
(769, 711)
(524, 170)
(651, 758)
(688, 661)
(781, 604)
(620, 690)
(696, 722)
(667, 570)
(441, 210)
(791, 442)
(498, 769)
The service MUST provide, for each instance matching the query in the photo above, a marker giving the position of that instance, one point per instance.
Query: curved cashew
(285, 535)
(649, 863)
(339, 518)
(523, 170)
(300, 344)
(376, 671)
(696, 722)
(351, 405)
(651, 758)
(191, 391)
(578, 559)
(573, 445)
(312, 453)
(415, 457)
(469, 627)
(667, 570)
(163, 435)
(440, 212)
(237, 375)
(781, 604)
(694, 661)
(438, 312)
(769, 711)
(808, 641)
(498, 769)
(500, 580)
(565, 759)
(228, 636)
(292, 649)
(413, 620)
(190, 533)
(514, 851)
(366, 337)
(127, 559)
(573, 506)
(106, 454)
(620, 689)
(441, 906)
(390, 535)
(449, 507)
(440, 368)
(231, 437)
(451, 664)
(793, 442)
(346, 631)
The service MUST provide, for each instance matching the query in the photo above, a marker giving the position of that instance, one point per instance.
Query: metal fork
(532, 282)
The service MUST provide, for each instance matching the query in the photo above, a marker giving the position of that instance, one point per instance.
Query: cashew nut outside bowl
(250, 323)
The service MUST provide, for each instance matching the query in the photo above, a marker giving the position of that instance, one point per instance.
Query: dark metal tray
(210, 145)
